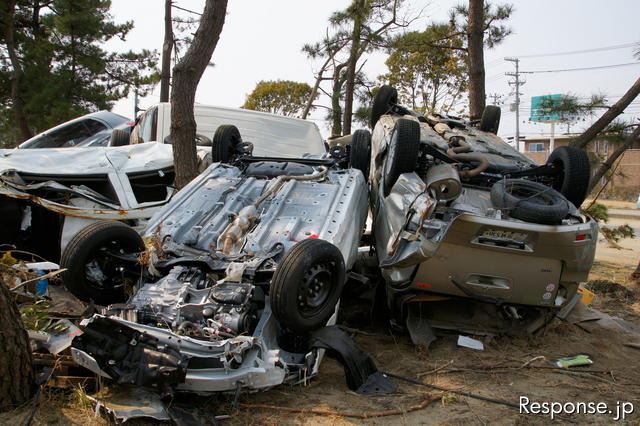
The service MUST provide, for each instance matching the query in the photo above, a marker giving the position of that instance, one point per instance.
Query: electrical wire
(582, 69)
(574, 52)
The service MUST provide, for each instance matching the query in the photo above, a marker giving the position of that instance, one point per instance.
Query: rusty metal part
(459, 144)
(82, 212)
(465, 157)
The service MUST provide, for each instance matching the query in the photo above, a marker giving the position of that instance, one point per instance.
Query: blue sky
(261, 40)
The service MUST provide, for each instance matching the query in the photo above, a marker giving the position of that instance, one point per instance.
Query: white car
(48, 195)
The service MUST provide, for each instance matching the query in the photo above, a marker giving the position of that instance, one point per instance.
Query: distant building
(626, 181)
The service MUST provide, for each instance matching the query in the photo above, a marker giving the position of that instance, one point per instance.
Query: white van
(272, 135)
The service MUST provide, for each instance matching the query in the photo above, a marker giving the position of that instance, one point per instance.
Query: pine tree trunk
(606, 118)
(608, 163)
(167, 47)
(336, 109)
(351, 68)
(186, 76)
(635, 275)
(16, 73)
(17, 385)
(475, 46)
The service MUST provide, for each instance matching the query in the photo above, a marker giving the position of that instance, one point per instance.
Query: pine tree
(60, 69)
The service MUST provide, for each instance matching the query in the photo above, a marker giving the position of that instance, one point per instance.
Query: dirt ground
(508, 368)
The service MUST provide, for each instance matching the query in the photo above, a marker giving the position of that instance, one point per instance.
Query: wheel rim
(316, 289)
(102, 271)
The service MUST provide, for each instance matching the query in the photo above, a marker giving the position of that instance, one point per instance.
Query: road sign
(541, 111)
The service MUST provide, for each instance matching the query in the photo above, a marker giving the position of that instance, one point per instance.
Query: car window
(70, 135)
(99, 139)
(94, 126)
(67, 136)
(147, 125)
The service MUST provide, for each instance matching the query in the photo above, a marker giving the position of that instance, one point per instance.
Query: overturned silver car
(243, 269)
(469, 233)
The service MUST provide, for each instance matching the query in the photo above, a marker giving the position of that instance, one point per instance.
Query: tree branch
(606, 118)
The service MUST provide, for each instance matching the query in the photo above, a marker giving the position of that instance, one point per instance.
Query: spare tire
(360, 156)
(91, 272)
(402, 152)
(224, 143)
(574, 173)
(119, 137)
(306, 286)
(385, 99)
(490, 120)
(530, 201)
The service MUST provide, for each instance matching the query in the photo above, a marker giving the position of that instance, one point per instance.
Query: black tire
(88, 247)
(360, 156)
(402, 152)
(119, 137)
(490, 121)
(386, 98)
(225, 140)
(574, 173)
(202, 140)
(297, 306)
(530, 201)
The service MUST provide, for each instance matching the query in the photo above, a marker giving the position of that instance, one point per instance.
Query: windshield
(67, 135)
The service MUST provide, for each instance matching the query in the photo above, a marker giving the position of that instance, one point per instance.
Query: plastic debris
(468, 342)
(573, 361)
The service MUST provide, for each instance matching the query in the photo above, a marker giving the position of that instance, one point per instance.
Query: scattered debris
(469, 342)
(126, 403)
(633, 345)
(572, 361)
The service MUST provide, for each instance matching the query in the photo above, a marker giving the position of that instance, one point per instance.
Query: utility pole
(497, 98)
(167, 46)
(135, 103)
(517, 83)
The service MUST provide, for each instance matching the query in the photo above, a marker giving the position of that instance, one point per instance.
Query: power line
(186, 10)
(582, 69)
(598, 49)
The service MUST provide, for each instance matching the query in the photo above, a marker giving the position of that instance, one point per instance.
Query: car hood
(82, 161)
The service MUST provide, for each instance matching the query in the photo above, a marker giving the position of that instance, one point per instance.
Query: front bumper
(171, 360)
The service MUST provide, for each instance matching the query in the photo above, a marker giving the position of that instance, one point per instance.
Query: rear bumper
(513, 261)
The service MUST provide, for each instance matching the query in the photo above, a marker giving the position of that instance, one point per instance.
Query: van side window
(148, 124)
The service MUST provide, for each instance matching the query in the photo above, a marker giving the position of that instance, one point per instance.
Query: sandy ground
(500, 372)
(627, 250)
